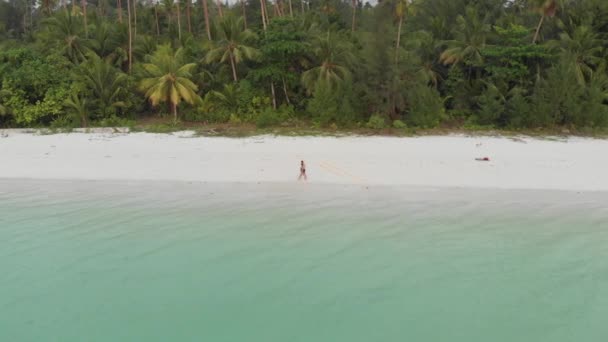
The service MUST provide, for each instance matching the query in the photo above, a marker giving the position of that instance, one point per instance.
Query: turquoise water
(91, 261)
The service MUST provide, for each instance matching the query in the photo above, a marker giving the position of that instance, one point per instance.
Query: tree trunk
(540, 23)
(156, 17)
(285, 91)
(274, 96)
(174, 109)
(179, 21)
(119, 8)
(233, 65)
(84, 16)
(46, 6)
(206, 14)
(130, 34)
(219, 8)
(244, 13)
(266, 12)
(134, 19)
(188, 16)
(397, 45)
(263, 14)
(354, 20)
(302, 3)
(290, 9)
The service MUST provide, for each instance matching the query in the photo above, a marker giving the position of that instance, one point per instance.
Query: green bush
(376, 122)
(398, 124)
(235, 120)
(270, 117)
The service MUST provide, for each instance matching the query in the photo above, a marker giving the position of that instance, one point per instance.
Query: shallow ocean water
(125, 261)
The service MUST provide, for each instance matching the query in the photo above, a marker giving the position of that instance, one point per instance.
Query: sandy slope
(576, 164)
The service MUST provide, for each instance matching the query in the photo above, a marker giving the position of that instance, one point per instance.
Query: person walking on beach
(302, 171)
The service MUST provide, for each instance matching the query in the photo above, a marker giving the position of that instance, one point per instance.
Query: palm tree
(78, 107)
(84, 15)
(547, 8)
(156, 19)
(130, 48)
(400, 11)
(231, 46)
(134, 19)
(105, 82)
(471, 33)
(228, 97)
(179, 20)
(167, 79)
(188, 20)
(584, 47)
(263, 13)
(119, 8)
(64, 30)
(333, 56)
(206, 14)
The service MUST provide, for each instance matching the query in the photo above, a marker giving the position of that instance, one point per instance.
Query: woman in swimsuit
(302, 171)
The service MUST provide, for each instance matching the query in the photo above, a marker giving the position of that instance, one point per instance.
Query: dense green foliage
(398, 63)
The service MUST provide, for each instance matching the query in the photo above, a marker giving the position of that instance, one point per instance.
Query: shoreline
(525, 163)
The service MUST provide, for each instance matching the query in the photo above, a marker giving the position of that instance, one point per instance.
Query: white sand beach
(576, 164)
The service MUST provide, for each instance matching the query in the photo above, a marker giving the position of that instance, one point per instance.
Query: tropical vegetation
(501, 64)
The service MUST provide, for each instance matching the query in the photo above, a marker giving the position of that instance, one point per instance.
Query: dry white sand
(443, 161)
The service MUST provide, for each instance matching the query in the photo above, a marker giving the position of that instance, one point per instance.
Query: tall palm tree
(232, 46)
(134, 2)
(119, 8)
(64, 31)
(584, 47)
(206, 15)
(166, 78)
(547, 8)
(84, 16)
(156, 19)
(188, 19)
(400, 10)
(471, 33)
(179, 20)
(263, 13)
(130, 48)
(244, 9)
(333, 56)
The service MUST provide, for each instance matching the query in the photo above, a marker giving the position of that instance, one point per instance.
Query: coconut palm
(64, 31)
(401, 8)
(78, 107)
(584, 47)
(471, 33)
(547, 8)
(166, 78)
(130, 47)
(106, 84)
(232, 46)
(333, 56)
(206, 15)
